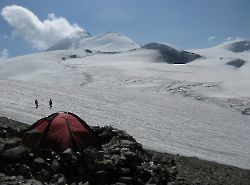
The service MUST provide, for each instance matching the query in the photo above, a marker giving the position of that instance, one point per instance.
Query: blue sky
(184, 23)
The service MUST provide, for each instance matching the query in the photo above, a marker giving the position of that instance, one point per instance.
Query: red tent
(59, 131)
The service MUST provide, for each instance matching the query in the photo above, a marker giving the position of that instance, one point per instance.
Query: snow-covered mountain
(108, 42)
(194, 109)
(239, 46)
(227, 49)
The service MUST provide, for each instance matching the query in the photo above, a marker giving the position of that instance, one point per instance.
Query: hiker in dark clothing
(36, 103)
(50, 103)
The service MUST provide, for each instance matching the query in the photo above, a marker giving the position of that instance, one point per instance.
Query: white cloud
(4, 54)
(41, 34)
(211, 38)
(229, 39)
(10, 36)
(5, 36)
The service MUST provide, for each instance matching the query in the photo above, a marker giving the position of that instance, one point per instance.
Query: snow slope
(192, 109)
(234, 80)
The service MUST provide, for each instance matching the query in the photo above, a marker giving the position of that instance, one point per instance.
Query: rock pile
(119, 160)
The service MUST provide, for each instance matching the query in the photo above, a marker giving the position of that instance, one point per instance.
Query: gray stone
(58, 158)
(43, 175)
(127, 142)
(31, 155)
(25, 171)
(102, 177)
(114, 145)
(125, 171)
(153, 181)
(55, 165)
(38, 164)
(61, 181)
(128, 153)
(124, 149)
(50, 168)
(55, 177)
(66, 155)
(120, 183)
(101, 165)
(17, 153)
(127, 180)
(20, 177)
(12, 171)
(173, 171)
(115, 159)
(81, 170)
(143, 174)
(172, 162)
(93, 154)
(39, 160)
(115, 150)
(85, 183)
(145, 165)
(139, 182)
(107, 156)
(12, 142)
(123, 158)
(32, 182)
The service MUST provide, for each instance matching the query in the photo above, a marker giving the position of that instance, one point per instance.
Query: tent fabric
(59, 131)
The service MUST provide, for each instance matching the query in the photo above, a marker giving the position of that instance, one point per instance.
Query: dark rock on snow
(172, 55)
(239, 46)
(246, 111)
(237, 63)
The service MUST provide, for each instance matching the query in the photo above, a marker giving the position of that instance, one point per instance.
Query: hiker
(50, 103)
(36, 103)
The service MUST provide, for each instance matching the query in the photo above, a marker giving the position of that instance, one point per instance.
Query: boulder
(17, 153)
(25, 171)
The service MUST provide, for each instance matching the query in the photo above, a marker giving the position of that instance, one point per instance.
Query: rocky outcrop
(237, 63)
(119, 160)
(172, 55)
(239, 46)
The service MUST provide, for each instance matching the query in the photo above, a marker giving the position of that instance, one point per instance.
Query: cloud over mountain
(211, 38)
(4, 54)
(40, 33)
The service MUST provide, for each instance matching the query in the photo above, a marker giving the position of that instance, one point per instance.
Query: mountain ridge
(172, 55)
(110, 41)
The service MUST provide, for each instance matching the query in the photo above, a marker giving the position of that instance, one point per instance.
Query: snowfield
(192, 109)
